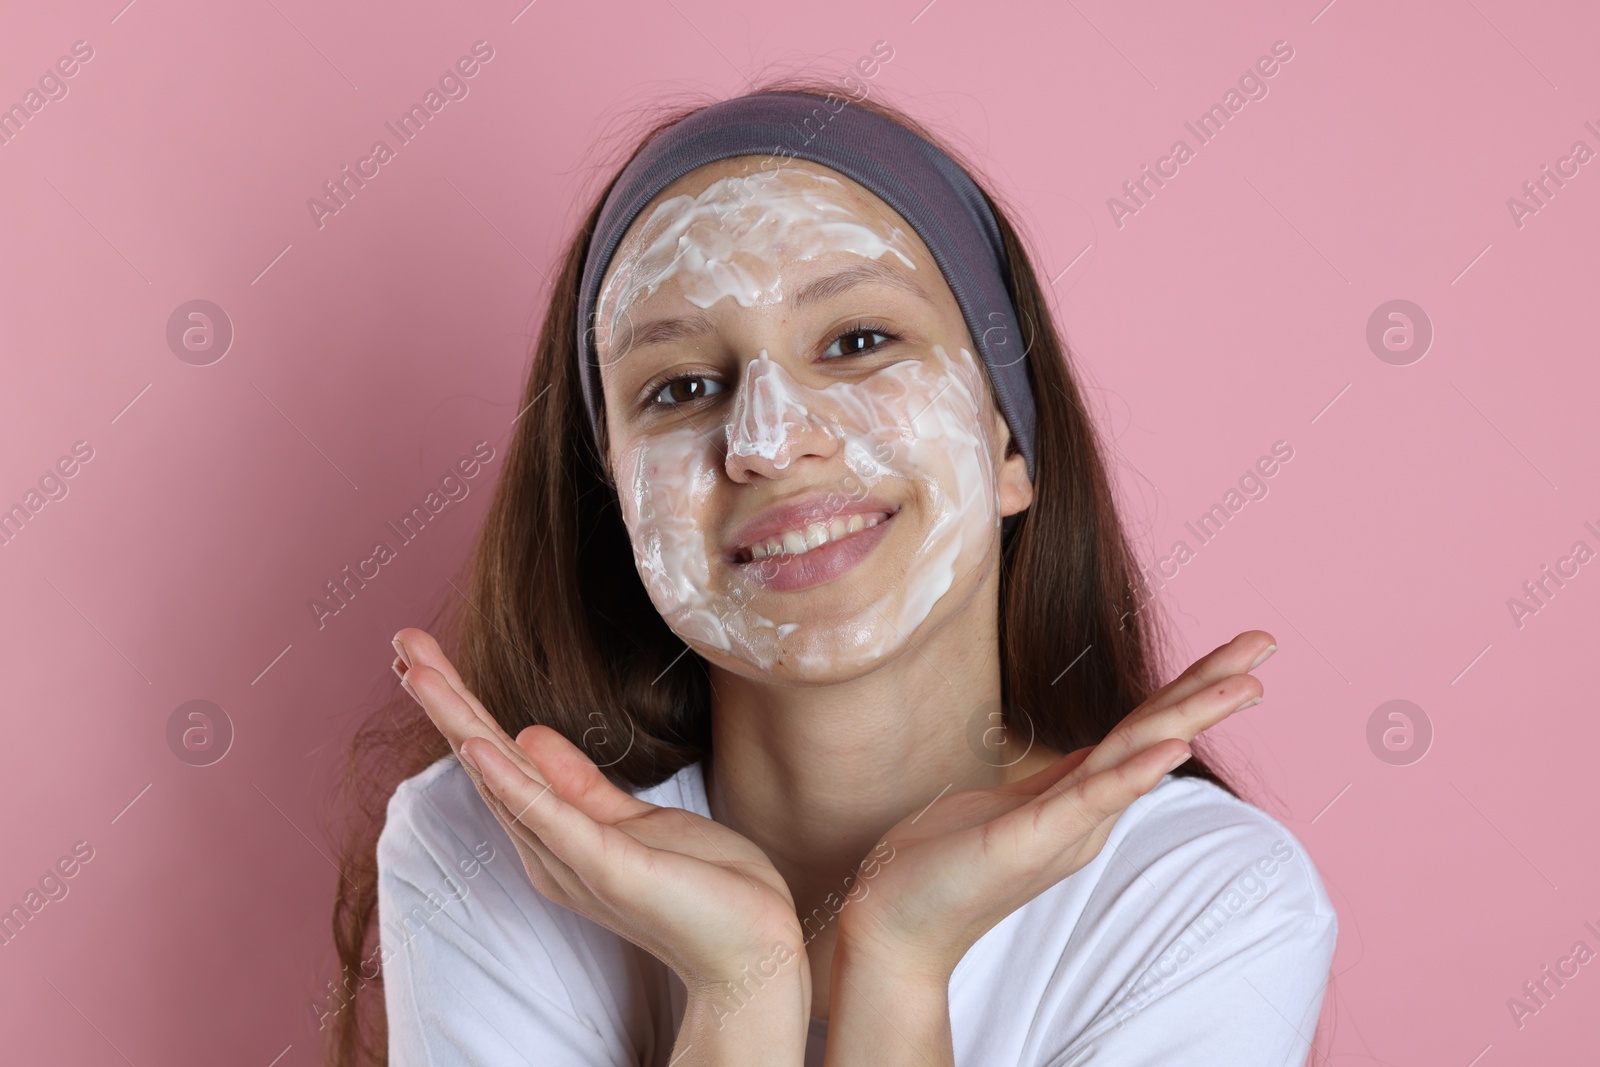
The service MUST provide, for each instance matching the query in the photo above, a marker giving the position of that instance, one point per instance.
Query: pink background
(1229, 313)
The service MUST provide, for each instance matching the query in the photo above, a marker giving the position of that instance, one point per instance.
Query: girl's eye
(854, 342)
(682, 390)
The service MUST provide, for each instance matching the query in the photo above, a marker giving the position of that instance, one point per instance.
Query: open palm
(698, 896)
(951, 872)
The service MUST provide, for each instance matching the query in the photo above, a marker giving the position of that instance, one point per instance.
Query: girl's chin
(830, 663)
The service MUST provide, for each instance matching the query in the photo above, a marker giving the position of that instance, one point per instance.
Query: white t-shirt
(1201, 934)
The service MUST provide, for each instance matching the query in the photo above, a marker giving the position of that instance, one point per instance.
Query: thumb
(576, 779)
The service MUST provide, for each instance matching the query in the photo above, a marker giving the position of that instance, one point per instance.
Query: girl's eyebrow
(664, 331)
(869, 270)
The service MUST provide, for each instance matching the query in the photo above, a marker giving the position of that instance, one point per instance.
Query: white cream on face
(917, 421)
(726, 242)
(913, 432)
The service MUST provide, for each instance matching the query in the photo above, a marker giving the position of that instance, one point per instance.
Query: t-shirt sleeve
(1212, 946)
(480, 970)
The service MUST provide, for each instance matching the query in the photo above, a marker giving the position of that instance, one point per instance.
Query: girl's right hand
(696, 895)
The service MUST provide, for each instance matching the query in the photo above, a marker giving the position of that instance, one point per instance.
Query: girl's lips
(788, 573)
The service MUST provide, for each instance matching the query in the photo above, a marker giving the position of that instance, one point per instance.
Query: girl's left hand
(947, 875)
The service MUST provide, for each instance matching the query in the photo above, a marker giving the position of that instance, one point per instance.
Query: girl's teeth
(796, 542)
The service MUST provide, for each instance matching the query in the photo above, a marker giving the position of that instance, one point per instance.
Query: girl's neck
(815, 775)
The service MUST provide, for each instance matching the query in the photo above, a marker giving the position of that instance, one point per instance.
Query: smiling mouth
(799, 541)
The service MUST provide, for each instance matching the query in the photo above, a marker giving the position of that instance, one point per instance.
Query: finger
(549, 873)
(576, 778)
(460, 725)
(1239, 656)
(1195, 701)
(419, 648)
(601, 855)
(455, 718)
(546, 870)
(1184, 720)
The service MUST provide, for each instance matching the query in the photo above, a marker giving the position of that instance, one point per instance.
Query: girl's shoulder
(1189, 850)
(1211, 830)
(465, 936)
(1202, 914)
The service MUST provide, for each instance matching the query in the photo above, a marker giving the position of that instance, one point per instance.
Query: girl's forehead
(744, 193)
(742, 227)
(746, 178)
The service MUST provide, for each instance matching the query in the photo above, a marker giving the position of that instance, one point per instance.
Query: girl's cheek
(664, 488)
(636, 506)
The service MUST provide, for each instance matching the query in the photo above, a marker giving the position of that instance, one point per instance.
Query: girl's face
(811, 469)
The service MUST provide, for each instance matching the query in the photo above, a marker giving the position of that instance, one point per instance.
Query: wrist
(748, 1019)
(870, 960)
(779, 976)
(887, 1009)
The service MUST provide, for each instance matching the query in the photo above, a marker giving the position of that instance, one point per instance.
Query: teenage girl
(800, 708)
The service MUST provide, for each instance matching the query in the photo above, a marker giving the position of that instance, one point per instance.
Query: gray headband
(915, 178)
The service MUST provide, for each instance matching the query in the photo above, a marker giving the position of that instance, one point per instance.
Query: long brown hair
(554, 626)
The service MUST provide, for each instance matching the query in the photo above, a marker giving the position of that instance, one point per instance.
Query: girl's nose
(773, 425)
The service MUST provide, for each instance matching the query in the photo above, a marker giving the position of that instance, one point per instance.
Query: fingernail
(405, 683)
(1252, 702)
(401, 649)
(472, 764)
(1265, 653)
(1178, 762)
(398, 668)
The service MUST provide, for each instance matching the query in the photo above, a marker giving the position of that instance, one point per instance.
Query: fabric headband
(915, 178)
